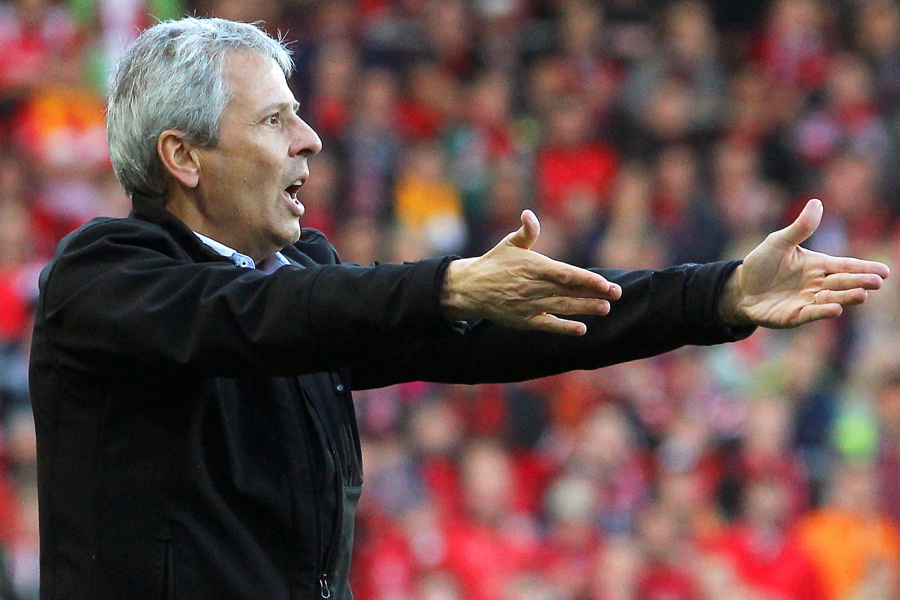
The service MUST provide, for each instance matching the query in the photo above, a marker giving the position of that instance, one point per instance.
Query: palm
(781, 285)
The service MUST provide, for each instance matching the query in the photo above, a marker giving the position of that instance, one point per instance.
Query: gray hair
(171, 78)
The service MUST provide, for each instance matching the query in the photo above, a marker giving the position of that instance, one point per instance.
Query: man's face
(249, 181)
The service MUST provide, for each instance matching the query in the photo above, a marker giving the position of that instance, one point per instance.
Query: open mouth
(291, 194)
(293, 189)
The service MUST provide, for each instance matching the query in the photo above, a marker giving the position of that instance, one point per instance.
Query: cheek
(252, 176)
(252, 193)
(267, 178)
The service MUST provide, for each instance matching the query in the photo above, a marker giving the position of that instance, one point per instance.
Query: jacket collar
(151, 210)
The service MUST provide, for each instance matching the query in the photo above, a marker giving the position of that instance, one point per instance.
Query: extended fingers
(562, 305)
(561, 279)
(817, 312)
(847, 265)
(847, 288)
(553, 324)
(849, 297)
(849, 281)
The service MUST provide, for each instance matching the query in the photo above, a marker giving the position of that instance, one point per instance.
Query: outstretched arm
(781, 285)
(778, 285)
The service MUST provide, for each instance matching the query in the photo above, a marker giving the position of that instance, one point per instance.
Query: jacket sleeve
(658, 311)
(121, 294)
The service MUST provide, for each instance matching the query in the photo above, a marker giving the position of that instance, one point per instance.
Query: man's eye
(273, 120)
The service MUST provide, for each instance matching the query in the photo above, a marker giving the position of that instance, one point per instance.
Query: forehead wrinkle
(250, 84)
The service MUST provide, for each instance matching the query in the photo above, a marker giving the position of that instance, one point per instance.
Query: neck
(188, 210)
(191, 212)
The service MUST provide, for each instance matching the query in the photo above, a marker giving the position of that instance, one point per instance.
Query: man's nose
(306, 140)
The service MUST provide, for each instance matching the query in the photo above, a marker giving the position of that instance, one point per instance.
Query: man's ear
(180, 157)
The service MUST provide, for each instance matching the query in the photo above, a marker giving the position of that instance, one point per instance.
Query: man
(192, 364)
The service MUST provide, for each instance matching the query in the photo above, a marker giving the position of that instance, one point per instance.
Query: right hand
(514, 286)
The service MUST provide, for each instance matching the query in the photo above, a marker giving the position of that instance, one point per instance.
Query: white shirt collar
(242, 260)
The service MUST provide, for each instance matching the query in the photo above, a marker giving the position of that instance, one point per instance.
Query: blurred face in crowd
(660, 533)
(767, 504)
(690, 31)
(856, 489)
(487, 481)
(889, 408)
(30, 12)
(247, 186)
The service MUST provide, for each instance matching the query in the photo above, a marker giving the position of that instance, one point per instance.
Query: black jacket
(196, 434)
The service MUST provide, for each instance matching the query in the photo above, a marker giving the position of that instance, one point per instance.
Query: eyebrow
(280, 106)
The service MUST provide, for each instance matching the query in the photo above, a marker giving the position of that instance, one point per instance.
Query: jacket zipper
(320, 529)
(328, 551)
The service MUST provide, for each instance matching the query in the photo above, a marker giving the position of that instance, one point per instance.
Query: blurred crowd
(644, 133)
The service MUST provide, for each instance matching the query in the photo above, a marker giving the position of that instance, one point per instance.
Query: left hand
(513, 286)
(781, 285)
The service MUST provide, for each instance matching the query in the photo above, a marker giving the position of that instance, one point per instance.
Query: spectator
(573, 541)
(676, 93)
(683, 210)
(848, 119)
(594, 74)
(431, 100)
(446, 33)
(630, 240)
(746, 203)
(666, 572)
(490, 545)
(36, 37)
(372, 145)
(767, 453)
(607, 453)
(855, 546)
(754, 120)
(575, 173)
(59, 124)
(887, 397)
(615, 577)
(853, 183)
(426, 203)
(336, 72)
(19, 241)
(113, 26)
(763, 551)
(793, 47)
(877, 34)
(483, 144)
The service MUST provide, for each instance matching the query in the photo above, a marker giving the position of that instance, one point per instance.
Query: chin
(292, 236)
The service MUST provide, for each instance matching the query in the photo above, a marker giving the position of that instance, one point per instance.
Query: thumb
(527, 234)
(804, 225)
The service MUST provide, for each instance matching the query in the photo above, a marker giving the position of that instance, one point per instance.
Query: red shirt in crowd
(563, 172)
(778, 566)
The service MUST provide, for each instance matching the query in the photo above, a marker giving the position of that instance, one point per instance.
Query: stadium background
(644, 133)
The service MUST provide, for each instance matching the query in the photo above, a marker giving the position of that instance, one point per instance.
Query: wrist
(452, 298)
(730, 308)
